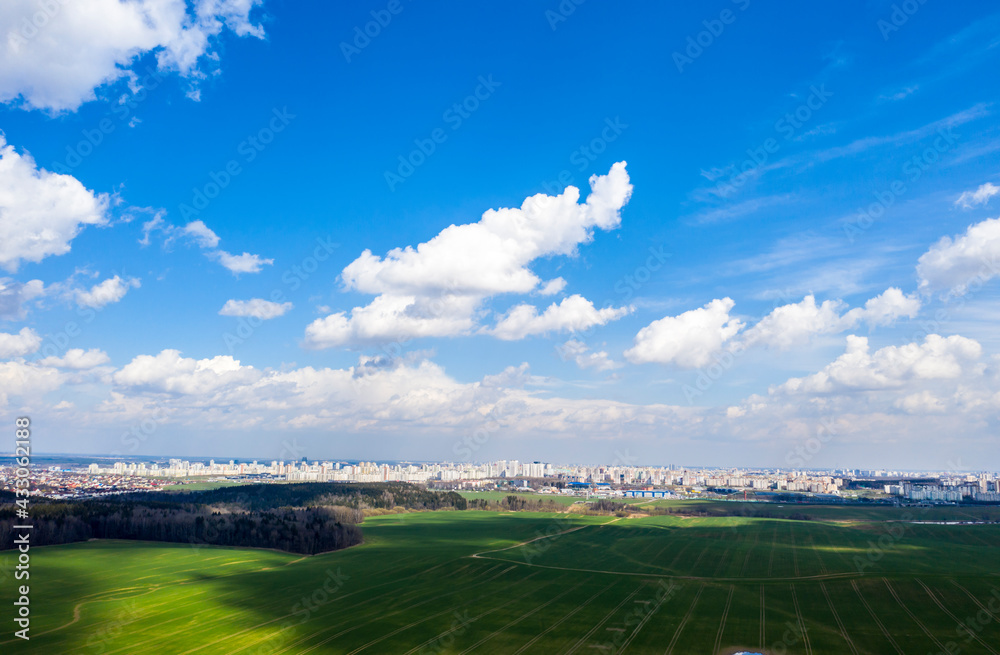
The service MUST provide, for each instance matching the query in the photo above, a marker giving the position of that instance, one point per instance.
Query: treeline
(299, 530)
(306, 518)
(513, 503)
(376, 495)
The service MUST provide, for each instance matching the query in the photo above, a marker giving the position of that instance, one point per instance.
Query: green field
(460, 582)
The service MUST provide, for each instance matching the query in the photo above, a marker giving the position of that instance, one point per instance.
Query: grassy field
(462, 582)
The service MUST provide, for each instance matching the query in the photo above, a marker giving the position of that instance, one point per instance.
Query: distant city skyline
(251, 228)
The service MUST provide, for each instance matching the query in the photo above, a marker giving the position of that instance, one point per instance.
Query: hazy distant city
(611, 480)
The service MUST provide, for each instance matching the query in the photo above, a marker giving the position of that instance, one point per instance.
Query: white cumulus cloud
(78, 359)
(22, 343)
(255, 307)
(574, 313)
(197, 230)
(585, 358)
(859, 369)
(41, 212)
(796, 323)
(688, 340)
(245, 263)
(104, 293)
(57, 53)
(980, 196)
(954, 263)
(437, 288)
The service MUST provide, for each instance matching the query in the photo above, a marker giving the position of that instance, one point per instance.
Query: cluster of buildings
(478, 475)
(603, 480)
(54, 482)
(983, 488)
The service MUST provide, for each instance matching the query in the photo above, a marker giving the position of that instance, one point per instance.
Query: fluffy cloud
(197, 230)
(206, 239)
(14, 295)
(169, 372)
(885, 308)
(109, 291)
(436, 288)
(688, 340)
(796, 323)
(574, 313)
(23, 343)
(552, 287)
(41, 212)
(578, 351)
(78, 359)
(255, 307)
(245, 263)
(954, 263)
(893, 366)
(379, 395)
(57, 53)
(980, 196)
(27, 381)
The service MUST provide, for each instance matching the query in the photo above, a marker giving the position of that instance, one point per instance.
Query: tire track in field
(763, 616)
(237, 592)
(746, 560)
(875, 618)
(770, 561)
(590, 632)
(974, 599)
(285, 616)
(920, 624)
(722, 623)
(341, 612)
(527, 614)
(802, 622)
(836, 617)
(544, 536)
(954, 618)
(407, 608)
(641, 625)
(829, 539)
(562, 620)
(193, 599)
(795, 551)
(687, 617)
(423, 620)
(704, 549)
(102, 596)
(670, 567)
(722, 562)
(819, 558)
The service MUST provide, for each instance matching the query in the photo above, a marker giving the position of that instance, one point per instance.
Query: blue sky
(768, 263)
